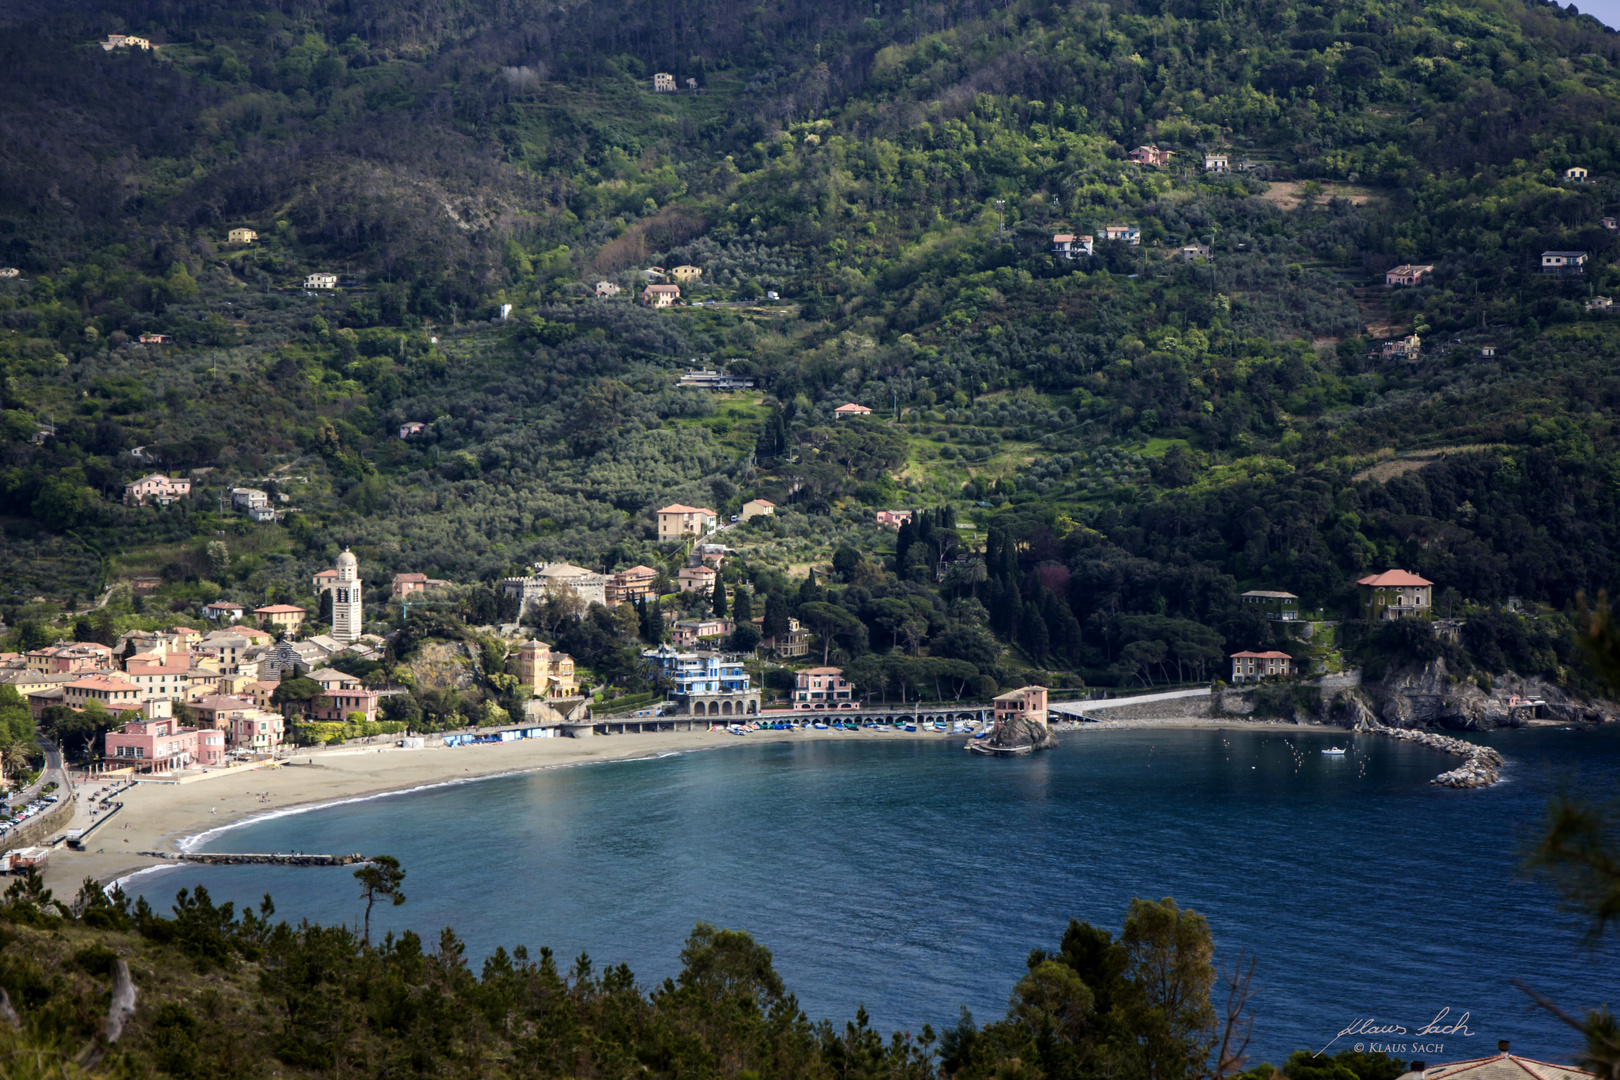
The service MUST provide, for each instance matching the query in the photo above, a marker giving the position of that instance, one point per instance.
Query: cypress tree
(1033, 635)
(743, 604)
(902, 544)
(718, 601)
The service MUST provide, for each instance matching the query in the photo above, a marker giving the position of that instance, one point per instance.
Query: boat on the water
(1334, 751)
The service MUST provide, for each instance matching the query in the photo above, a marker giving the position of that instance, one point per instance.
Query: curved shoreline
(164, 817)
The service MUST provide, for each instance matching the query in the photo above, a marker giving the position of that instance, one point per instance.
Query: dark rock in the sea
(1015, 736)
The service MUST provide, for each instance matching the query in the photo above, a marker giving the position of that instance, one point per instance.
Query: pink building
(823, 688)
(1025, 703)
(163, 744)
(892, 519)
(257, 731)
(158, 488)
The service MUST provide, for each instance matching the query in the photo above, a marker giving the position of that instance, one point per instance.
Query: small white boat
(1334, 751)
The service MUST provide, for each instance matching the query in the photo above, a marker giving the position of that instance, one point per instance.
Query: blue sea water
(912, 878)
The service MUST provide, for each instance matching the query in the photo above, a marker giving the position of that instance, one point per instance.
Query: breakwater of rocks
(1480, 769)
(227, 859)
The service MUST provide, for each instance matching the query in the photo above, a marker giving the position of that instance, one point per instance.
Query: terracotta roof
(103, 682)
(852, 407)
(410, 577)
(822, 671)
(759, 502)
(158, 669)
(677, 508)
(1505, 1066)
(279, 609)
(1273, 655)
(1393, 577)
(1016, 695)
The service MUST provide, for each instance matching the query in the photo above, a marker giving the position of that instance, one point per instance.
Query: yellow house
(686, 274)
(546, 674)
(242, 236)
(286, 616)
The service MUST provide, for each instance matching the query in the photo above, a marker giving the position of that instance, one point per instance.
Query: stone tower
(347, 612)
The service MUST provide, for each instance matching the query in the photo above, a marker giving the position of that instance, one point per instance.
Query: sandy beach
(160, 816)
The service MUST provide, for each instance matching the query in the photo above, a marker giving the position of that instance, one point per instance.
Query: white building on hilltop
(348, 612)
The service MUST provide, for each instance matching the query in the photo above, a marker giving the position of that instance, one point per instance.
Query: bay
(911, 878)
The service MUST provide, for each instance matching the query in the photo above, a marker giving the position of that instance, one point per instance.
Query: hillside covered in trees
(1114, 446)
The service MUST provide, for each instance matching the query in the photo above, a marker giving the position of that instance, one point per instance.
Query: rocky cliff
(1429, 696)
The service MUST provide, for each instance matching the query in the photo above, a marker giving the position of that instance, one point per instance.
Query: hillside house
(321, 281)
(1216, 163)
(158, 488)
(1487, 352)
(249, 498)
(709, 379)
(697, 578)
(1612, 224)
(652, 273)
(1395, 594)
(544, 673)
(1192, 252)
(1407, 348)
(1254, 666)
(1600, 303)
(155, 339)
(844, 412)
(823, 688)
(280, 616)
(754, 508)
(126, 41)
(794, 643)
(686, 633)
(628, 586)
(1069, 245)
(663, 83)
(410, 584)
(1025, 703)
(660, 296)
(686, 274)
(1128, 234)
(412, 429)
(676, 521)
(241, 236)
(1405, 274)
(7, 272)
(1576, 173)
(606, 290)
(891, 519)
(1150, 155)
(223, 610)
(1563, 262)
(1278, 606)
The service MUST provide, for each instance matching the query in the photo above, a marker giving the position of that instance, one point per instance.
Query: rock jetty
(1481, 769)
(232, 859)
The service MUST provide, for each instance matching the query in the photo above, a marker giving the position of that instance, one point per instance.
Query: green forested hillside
(1145, 436)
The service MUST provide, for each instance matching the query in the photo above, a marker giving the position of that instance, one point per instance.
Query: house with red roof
(676, 521)
(1395, 594)
(851, 409)
(1254, 666)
